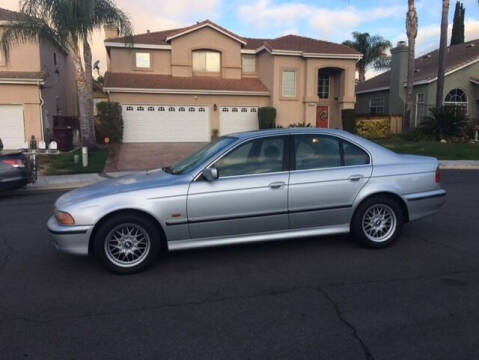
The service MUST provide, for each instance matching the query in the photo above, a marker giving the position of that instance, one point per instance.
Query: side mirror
(210, 174)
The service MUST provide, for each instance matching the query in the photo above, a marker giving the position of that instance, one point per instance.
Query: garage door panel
(235, 119)
(12, 130)
(166, 123)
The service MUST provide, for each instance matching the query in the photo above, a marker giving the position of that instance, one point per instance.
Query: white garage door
(165, 123)
(238, 118)
(12, 131)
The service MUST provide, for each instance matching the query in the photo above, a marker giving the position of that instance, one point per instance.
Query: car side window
(316, 152)
(258, 156)
(353, 155)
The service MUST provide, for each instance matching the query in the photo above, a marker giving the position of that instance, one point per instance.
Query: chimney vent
(401, 43)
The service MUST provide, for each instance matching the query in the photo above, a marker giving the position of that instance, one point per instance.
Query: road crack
(367, 353)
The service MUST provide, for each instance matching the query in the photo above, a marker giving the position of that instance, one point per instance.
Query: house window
(206, 61)
(191, 109)
(161, 108)
(140, 108)
(171, 109)
(182, 109)
(249, 63)
(129, 108)
(151, 108)
(225, 110)
(253, 110)
(376, 105)
(289, 83)
(143, 60)
(234, 110)
(244, 110)
(420, 108)
(323, 85)
(456, 98)
(201, 109)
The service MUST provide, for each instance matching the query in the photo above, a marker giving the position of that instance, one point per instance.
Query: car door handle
(355, 177)
(277, 185)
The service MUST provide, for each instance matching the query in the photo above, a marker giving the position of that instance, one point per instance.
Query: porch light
(215, 107)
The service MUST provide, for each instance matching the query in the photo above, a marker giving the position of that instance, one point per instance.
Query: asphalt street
(314, 298)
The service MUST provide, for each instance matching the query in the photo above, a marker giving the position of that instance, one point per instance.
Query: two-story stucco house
(185, 84)
(36, 83)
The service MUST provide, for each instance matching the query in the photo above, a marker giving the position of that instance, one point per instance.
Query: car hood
(121, 184)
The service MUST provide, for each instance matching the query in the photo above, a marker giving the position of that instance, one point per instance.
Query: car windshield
(192, 161)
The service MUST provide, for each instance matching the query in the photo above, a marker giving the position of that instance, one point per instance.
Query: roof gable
(202, 25)
(458, 56)
(7, 15)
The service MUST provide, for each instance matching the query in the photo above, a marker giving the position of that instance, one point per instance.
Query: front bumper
(424, 204)
(69, 239)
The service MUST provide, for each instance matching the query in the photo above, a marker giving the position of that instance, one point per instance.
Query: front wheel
(377, 222)
(127, 243)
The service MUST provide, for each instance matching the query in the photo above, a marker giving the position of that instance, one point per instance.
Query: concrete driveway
(145, 156)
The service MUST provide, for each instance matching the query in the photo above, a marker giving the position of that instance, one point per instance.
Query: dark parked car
(14, 170)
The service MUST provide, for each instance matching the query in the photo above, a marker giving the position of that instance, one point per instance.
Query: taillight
(438, 175)
(16, 163)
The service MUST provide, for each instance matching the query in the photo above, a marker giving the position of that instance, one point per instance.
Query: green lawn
(433, 148)
(62, 164)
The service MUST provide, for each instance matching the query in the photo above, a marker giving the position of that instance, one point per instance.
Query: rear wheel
(377, 222)
(127, 243)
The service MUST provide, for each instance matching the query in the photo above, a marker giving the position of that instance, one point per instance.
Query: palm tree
(373, 49)
(69, 24)
(441, 70)
(411, 29)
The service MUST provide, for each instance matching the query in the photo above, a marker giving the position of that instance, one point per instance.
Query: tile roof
(152, 81)
(426, 65)
(6, 15)
(22, 75)
(288, 42)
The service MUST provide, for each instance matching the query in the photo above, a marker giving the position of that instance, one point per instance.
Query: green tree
(69, 24)
(457, 36)
(373, 49)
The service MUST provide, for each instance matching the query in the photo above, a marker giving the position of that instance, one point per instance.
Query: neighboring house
(36, 84)
(385, 94)
(184, 84)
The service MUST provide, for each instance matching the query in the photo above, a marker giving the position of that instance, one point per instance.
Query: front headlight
(64, 218)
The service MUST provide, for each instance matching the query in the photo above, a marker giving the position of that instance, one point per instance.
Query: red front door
(322, 117)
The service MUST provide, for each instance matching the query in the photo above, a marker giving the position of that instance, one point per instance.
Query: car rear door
(249, 197)
(327, 174)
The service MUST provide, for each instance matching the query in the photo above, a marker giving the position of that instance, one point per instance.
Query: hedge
(267, 117)
(374, 128)
(110, 121)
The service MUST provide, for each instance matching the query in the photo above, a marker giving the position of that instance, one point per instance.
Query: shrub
(300, 124)
(349, 120)
(374, 128)
(110, 121)
(267, 117)
(446, 122)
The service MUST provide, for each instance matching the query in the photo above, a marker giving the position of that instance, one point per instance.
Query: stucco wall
(206, 38)
(25, 57)
(123, 60)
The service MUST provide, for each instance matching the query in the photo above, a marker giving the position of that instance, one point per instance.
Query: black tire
(137, 222)
(388, 204)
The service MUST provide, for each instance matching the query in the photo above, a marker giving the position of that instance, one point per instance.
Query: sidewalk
(65, 182)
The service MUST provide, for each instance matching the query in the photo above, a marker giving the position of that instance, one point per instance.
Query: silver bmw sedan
(247, 187)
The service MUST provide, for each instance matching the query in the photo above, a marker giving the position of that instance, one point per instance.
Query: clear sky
(331, 20)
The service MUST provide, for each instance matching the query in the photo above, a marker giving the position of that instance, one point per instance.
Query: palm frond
(25, 29)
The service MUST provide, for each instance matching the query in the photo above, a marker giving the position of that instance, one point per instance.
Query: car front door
(250, 195)
(327, 174)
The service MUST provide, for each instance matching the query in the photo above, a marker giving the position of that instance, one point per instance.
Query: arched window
(456, 98)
